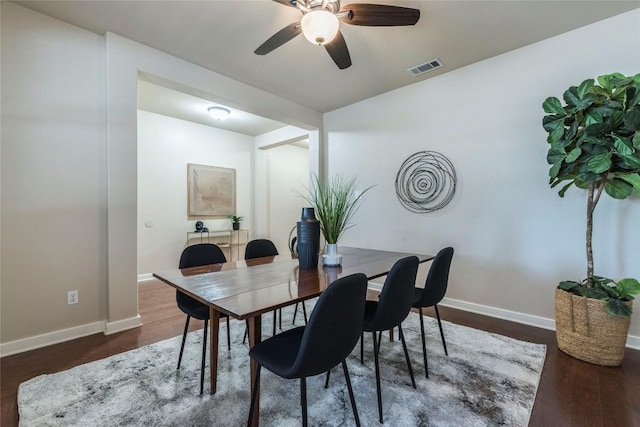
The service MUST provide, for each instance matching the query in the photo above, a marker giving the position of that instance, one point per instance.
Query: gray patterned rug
(487, 380)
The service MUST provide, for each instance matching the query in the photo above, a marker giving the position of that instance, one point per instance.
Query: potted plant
(594, 144)
(335, 202)
(235, 219)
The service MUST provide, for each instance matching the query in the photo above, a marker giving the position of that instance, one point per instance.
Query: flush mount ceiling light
(320, 26)
(218, 113)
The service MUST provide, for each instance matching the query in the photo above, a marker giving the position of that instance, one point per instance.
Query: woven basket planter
(587, 332)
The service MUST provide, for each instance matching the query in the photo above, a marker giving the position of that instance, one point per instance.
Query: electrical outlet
(72, 297)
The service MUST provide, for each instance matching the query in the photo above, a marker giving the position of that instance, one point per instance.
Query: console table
(231, 241)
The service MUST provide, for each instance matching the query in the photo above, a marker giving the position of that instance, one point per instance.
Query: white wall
(165, 147)
(288, 177)
(515, 239)
(53, 178)
(69, 199)
(125, 59)
(282, 172)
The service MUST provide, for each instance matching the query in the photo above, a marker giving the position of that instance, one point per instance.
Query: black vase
(308, 239)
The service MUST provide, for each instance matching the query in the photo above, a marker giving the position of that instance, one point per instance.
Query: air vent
(423, 68)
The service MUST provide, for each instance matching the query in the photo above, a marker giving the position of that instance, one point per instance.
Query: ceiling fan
(320, 24)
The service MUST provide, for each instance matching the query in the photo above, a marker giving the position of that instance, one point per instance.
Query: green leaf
(555, 155)
(592, 117)
(552, 105)
(631, 178)
(584, 87)
(565, 188)
(616, 120)
(622, 145)
(596, 141)
(628, 288)
(634, 99)
(568, 285)
(600, 163)
(633, 161)
(571, 96)
(557, 134)
(616, 307)
(552, 122)
(597, 129)
(555, 169)
(573, 155)
(636, 140)
(618, 189)
(595, 293)
(603, 81)
(582, 184)
(632, 120)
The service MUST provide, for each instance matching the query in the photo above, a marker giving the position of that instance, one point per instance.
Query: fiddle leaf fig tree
(594, 144)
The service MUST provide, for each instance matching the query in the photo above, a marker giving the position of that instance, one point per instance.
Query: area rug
(487, 380)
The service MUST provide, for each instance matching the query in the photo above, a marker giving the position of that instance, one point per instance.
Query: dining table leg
(214, 326)
(255, 336)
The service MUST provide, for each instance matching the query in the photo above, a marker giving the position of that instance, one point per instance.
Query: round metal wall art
(426, 182)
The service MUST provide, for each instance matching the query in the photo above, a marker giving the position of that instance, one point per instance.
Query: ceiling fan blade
(379, 15)
(337, 49)
(279, 38)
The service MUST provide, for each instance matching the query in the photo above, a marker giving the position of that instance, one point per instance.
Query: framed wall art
(211, 191)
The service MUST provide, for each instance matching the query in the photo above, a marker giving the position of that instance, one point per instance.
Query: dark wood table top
(244, 289)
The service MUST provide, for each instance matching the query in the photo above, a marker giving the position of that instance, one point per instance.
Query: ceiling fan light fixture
(320, 26)
(218, 113)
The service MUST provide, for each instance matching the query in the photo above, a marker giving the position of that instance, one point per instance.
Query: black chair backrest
(396, 297)
(259, 248)
(201, 254)
(334, 327)
(437, 279)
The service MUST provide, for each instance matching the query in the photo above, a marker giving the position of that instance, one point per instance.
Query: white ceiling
(222, 35)
(168, 102)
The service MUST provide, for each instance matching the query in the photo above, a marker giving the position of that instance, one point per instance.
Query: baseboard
(500, 313)
(122, 325)
(633, 342)
(44, 340)
(145, 277)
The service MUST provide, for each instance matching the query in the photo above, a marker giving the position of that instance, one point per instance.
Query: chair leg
(254, 393)
(275, 314)
(229, 334)
(351, 397)
(362, 348)
(204, 355)
(184, 338)
(280, 318)
(246, 333)
(295, 311)
(406, 355)
(444, 343)
(303, 400)
(326, 382)
(377, 363)
(424, 345)
(304, 311)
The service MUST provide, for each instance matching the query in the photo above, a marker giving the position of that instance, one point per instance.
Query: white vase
(332, 257)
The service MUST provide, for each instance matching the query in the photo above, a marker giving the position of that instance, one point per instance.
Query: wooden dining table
(246, 289)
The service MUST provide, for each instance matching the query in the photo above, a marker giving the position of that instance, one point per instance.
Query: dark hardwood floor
(571, 393)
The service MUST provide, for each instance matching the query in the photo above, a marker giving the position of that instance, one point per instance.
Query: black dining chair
(194, 256)
(328, 338)
(259, 248)
(434, 290)
(392, 307)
